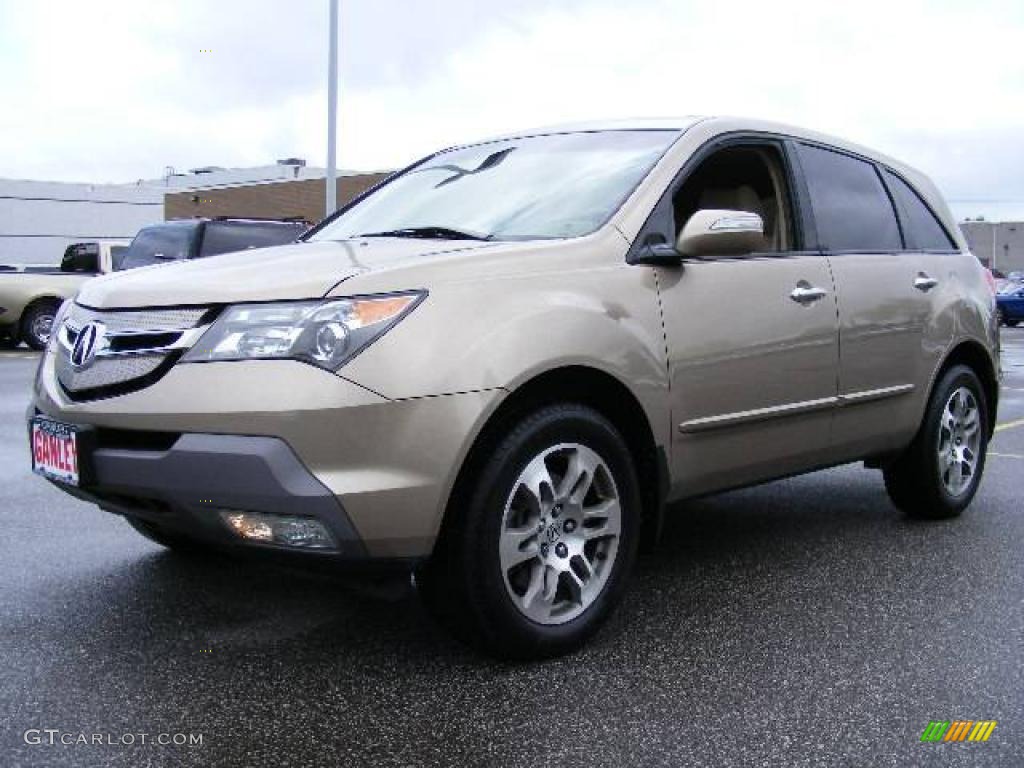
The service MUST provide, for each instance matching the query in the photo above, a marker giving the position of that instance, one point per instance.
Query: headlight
(325, 333)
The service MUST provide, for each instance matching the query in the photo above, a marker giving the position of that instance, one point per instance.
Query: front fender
(485, 334)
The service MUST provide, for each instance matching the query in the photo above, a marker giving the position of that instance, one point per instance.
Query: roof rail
(278, 219)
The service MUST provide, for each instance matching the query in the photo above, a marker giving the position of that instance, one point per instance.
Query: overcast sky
(115, 90)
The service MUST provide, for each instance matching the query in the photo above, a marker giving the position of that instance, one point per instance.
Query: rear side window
(228, 236)
(922, 230)
(852, 210)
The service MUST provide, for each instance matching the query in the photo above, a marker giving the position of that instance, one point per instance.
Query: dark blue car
(1010, 302)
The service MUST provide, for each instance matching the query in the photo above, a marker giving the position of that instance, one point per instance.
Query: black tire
(178, 544)
(34, 316)
(464, 585)
(1012, 323)
(914, 482)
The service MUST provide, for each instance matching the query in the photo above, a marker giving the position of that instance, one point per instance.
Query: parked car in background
(196, 238)
(1010, 303)
(31, 296)
(498, 366)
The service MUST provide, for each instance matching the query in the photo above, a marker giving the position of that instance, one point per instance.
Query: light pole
(332, 112)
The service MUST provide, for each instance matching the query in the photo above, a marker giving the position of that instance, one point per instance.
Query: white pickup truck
(31, 295)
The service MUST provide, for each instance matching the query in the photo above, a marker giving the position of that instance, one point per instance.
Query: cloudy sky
(115, 90)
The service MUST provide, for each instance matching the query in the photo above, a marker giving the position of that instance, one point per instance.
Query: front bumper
(279, 437)
(177, 488)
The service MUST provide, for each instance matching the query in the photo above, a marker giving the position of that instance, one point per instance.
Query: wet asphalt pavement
(803, 622)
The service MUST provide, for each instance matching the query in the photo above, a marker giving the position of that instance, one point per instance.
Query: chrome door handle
(924, 282)
(805, 293)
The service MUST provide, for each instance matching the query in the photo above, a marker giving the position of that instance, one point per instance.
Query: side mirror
(657, 253)
(711, 232)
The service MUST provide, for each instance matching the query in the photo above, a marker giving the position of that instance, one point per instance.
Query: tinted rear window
(922, 230)
(852, 210)
(228, 236)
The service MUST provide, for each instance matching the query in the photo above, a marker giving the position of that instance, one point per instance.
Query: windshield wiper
(430, 233)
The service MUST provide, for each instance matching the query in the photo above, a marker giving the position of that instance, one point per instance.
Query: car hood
(295, 271)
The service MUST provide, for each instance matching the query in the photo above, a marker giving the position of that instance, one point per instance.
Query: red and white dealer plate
(55, 450)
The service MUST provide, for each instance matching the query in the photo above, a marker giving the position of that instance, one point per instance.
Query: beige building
(999, 244)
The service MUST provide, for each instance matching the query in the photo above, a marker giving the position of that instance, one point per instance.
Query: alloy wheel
(41, 327)
(959, 441)
(560, 533)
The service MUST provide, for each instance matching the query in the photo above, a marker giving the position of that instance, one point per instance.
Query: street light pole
(332, 112)
(995, 237)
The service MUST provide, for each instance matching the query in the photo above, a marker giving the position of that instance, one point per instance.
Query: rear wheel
(1012, 322)
(37, 323)
(539, 555)
(939, 473)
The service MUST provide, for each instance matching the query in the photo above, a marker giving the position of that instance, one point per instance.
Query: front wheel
(1012, 323)
(938, 474)
(540, 552)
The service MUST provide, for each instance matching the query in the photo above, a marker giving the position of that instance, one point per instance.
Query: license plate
(56, 451)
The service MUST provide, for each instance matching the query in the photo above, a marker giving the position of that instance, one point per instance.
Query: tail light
(991, 280)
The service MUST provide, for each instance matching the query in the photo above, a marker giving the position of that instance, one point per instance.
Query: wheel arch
(587, 386)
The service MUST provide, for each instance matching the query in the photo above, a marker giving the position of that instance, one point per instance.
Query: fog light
(286, 530)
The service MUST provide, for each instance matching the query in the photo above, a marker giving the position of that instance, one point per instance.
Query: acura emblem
(88, 343)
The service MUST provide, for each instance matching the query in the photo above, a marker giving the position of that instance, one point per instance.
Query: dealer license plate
(56, 450)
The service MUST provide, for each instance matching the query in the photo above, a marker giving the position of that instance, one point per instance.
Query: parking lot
(802, 622)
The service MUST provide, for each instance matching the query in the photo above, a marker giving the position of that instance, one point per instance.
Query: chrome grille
(151, 320)
(105, 372)
(123, 350)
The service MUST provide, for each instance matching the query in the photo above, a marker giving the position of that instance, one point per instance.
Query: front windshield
(555, 186)
(155, 245)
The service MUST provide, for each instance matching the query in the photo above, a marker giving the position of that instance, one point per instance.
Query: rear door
(884, 300)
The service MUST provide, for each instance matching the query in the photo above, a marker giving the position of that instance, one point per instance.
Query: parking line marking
(1010, 425)
(1006, 455)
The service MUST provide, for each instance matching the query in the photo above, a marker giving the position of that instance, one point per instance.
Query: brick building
(299, 197)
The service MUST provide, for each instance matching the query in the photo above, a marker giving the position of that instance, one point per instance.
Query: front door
(752, 340)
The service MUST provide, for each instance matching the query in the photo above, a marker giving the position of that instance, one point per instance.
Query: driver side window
(741, 178)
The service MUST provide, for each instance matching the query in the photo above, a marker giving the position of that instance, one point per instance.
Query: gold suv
(499, 365)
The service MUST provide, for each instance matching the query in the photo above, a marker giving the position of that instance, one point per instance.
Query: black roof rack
(279, 219)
